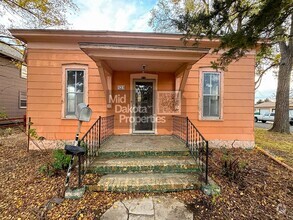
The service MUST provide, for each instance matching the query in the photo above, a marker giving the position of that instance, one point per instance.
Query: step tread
(146, 161)
(141, 143)
(150, 182)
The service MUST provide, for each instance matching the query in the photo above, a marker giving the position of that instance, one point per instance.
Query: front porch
(141, 79)
(145, 162)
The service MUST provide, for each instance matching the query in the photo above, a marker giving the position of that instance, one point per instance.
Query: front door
(143, 106)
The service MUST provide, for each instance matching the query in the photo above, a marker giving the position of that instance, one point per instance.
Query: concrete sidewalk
(159, 208)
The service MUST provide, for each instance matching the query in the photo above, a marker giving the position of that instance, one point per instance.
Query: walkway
(159, 208)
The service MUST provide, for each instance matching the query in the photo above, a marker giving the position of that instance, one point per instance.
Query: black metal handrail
(92, 140)
(198, 146)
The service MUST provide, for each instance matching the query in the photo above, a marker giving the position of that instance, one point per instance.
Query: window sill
(71, 117)
(211, 119)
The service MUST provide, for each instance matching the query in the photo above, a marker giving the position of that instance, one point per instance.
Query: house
(265, 107)
(140, 78)
(269, 107)
(12, 82)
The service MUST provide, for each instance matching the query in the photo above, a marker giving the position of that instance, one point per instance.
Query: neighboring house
(269, 107)
(13, 78)
(133, 75)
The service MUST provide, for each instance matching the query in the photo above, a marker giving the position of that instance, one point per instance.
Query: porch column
(106, 80)
(181, 76)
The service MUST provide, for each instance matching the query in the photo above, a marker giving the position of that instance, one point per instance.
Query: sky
(115, 15)
(267, 88)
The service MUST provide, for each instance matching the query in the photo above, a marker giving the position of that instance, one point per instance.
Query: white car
(268, 117)
(271, 117)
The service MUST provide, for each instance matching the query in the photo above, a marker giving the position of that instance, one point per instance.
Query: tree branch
(290, 45)
(263, 72)
(19, 6)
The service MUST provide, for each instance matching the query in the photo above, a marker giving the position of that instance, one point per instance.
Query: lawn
(263, 189)
(279, 145)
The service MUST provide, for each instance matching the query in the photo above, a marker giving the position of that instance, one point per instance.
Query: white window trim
(23, 68)
(202, 71)
(20, 98)
(65, 68)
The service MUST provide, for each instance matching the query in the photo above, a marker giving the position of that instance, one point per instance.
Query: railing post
(29, 134)
(24, 122)
(187, 132)
(79, 171)
(207, 161)
(100, 121)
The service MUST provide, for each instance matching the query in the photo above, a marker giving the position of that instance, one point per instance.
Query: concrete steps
(152, 182)
(144, 165)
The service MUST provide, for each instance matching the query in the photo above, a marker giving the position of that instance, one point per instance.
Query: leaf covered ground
(263, 190)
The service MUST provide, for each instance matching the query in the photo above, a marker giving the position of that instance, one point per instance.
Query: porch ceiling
(123, 57)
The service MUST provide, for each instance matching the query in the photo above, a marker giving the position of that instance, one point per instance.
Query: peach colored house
(115, 72)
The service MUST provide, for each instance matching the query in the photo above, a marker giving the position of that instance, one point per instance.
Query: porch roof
(131, 57)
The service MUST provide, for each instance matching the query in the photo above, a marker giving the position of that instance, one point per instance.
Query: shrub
(232, 167)
(33, 133)
(61, 160)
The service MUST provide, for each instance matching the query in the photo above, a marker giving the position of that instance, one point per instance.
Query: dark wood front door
(143, 106)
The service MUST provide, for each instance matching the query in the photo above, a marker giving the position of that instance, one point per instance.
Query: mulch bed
(264, 189)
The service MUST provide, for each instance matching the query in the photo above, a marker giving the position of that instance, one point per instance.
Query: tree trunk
(281, 122)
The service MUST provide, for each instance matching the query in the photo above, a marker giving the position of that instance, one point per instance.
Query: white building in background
(268, 107)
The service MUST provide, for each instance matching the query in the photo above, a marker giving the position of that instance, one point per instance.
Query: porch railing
(92, 140)
(198, 146)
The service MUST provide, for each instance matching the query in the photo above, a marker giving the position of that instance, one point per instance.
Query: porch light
(143, 68)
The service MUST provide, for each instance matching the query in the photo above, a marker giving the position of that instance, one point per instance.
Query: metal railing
(198, 146)
(92, 140)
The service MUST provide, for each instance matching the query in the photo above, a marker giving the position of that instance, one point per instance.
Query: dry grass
(280, 145)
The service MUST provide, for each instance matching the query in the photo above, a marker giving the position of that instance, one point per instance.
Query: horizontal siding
(238, 101)
(45, 92)
(53, 70)
(10, 85)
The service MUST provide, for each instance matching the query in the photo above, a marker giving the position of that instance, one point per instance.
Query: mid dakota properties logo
(145, 107)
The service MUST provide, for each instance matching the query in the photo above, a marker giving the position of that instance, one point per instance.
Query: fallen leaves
(25, 192)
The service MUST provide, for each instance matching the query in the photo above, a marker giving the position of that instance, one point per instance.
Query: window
(74, 90)
(211, 95)
(22, 99)
(23, 71)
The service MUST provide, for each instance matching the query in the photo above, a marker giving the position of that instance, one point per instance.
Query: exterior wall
(10, 85)
(237, 103)
(45, 92)
(45, 97)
